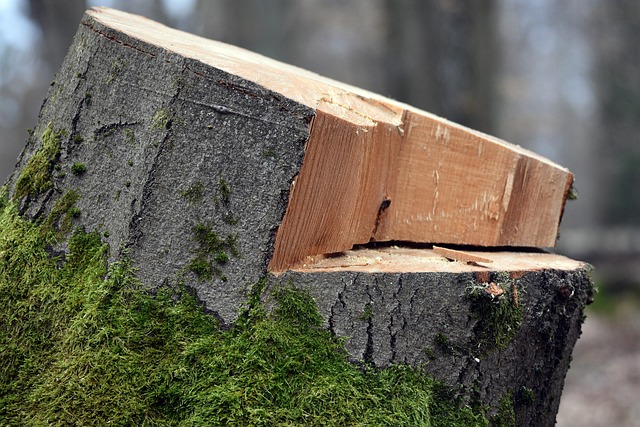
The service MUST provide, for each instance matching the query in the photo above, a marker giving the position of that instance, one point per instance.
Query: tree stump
(216, 167)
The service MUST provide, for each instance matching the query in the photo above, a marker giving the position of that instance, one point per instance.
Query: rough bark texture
(184, 164)
(169, 144)
(435, 320)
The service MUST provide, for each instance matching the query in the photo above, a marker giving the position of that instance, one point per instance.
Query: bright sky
(177, 8)
(16, 30)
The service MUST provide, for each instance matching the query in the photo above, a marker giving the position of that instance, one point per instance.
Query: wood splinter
(460, 256)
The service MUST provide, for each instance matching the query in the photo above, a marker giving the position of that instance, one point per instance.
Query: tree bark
(513, 348)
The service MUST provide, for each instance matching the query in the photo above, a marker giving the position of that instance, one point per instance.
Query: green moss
(444, 344)
(526, 396)
(572, 194)
(506, 416)
(74, 212)
(35, 178)
(367, 313)
(231, 241)
(442, 340)
(430, 353)
(193, 194)
(78, 168)
(230, 218)
(117, 66)
(82, 343)
(60, 220)
(498, 316)
(212, 252)
(130, 136)
(203, 268)
(221, 196)
(224, 190)
(4, 196)
(269, 153)
(65, 208)
(221, 257)
(161, 120)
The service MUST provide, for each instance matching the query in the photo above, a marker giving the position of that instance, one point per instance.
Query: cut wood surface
(379, 170)
(395, 259)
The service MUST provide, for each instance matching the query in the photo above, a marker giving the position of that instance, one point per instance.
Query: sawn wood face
(423, 180)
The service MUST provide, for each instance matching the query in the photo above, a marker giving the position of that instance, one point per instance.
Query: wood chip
(460, 256)
(494, 290)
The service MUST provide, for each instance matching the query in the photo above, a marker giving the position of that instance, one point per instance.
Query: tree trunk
(508, 344)
(215, 167)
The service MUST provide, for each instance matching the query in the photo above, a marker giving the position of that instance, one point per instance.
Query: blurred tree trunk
(58, 21)
(442, 57)
(617, 77)
(257, 25)
(439, 55)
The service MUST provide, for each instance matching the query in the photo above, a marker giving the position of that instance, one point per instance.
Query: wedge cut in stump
(215, 167)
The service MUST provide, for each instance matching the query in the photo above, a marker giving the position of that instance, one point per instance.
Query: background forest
(560, 77)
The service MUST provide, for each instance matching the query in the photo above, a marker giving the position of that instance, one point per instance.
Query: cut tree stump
(215, 167)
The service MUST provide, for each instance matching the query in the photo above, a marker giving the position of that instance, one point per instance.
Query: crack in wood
(383, 206)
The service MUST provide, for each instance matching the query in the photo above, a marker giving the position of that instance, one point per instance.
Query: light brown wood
(379, 170)
(462, 256)
(397, 259)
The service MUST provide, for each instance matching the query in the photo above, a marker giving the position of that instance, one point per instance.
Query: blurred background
(560, 77)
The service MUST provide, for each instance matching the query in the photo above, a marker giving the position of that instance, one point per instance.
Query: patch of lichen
(82, 342)
(498, 313)
(36, 176)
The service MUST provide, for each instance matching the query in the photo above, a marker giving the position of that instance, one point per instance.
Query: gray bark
(432, 320)
(170, 143)
(153, 126)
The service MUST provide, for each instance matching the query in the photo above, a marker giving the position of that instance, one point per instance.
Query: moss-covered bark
(82, 343)
(486, 346)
